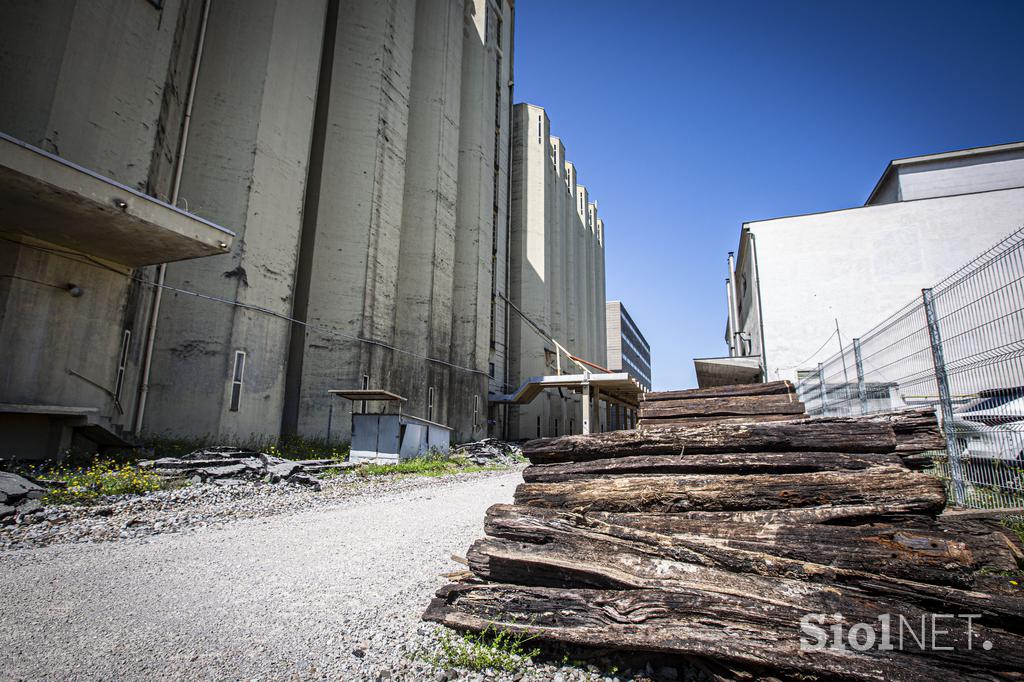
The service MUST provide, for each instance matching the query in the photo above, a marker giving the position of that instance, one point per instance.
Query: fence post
(945, 400)
(821, 389)
(862, 393)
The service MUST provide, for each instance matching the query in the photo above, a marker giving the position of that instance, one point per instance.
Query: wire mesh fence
(960, 348)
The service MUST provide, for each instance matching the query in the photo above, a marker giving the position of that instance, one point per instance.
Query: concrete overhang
(727, 371)
(616, 387)
(49, 198)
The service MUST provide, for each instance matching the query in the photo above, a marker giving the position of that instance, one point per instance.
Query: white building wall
(951, 174)
(858, 266)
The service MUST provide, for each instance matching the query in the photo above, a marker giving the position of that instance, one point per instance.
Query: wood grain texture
(771, 388)
(702, 463)
(728, 406)
(742, 621)
(668, 494)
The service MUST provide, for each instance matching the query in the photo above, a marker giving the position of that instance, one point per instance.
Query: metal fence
(960, 348)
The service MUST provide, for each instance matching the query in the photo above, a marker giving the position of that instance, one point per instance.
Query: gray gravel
(331, 589)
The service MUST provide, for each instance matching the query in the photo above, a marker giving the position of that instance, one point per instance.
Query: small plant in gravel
(494, 648)
(87, 484)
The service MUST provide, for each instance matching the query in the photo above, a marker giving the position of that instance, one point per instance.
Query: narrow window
(430, 404)
(539, 130)
(365, 385)
(476, 411)
(572, 426)
(538, 426)
(122, 363)
(236, 380)
(492, 370)
(556, 427)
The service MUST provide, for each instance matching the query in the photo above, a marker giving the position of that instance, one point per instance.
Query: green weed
(494, 648)
(430, 464)
(87, 484)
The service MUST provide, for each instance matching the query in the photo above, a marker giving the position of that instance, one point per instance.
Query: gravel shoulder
(293, 585)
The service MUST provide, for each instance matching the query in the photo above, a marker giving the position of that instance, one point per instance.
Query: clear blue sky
(686, 119)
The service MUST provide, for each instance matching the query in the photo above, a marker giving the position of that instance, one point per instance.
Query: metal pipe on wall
(147, 361)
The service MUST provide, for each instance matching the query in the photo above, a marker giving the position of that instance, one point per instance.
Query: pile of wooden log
(754, 550)
(776, 401)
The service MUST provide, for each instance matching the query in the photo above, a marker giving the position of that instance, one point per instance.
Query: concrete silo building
(556, 291)
(353, 212)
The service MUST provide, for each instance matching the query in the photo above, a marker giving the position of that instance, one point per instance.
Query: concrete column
(586, 409)
(601, 331)
(354, 266)
(479, 231)
(528, 255)
(426, 258)
(586, 274)
(245, 168)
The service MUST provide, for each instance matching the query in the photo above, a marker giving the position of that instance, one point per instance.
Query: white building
(795, 280)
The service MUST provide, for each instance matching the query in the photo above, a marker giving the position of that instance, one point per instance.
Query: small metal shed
(390, 437)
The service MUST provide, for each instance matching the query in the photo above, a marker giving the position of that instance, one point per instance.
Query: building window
(540, 131)
(556, 427)
(122, 363)
(538, 426)
(476, 411)
(364, 385)
(491, 370)
(572, 426)
(236, 380)
(430, 404)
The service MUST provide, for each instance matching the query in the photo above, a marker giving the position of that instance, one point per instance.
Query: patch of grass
(431, 464)
(88, 484)
(494, 648)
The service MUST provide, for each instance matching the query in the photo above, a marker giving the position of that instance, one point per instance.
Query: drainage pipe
(147, 361)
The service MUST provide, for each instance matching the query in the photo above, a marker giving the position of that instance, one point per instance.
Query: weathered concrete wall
(401, 241)
(426, 258)
(88, 81)
(860, 265)
(244, 168)
(481, 246)
(359, 213)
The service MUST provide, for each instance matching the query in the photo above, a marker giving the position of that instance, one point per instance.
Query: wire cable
(70, 255)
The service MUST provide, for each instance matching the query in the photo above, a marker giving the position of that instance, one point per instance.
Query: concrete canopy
(727, 371)
(49, 198)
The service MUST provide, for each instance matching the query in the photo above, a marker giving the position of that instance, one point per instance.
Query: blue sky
(686, 119)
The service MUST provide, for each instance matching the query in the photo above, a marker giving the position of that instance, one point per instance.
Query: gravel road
(332, 592)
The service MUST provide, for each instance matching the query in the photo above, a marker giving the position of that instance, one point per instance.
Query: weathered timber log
(724, 463)
(761, 627)
(808, 435)
(929, 554)
(843, 515)
(617, 565)
(731, 406)
(721, 419)
(905, 432)
(681, 492)
(772, 388)
(916, 430)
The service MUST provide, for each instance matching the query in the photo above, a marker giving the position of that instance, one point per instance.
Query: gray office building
(628, 351)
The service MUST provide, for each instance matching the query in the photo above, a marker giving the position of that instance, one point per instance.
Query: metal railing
(960, 348)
